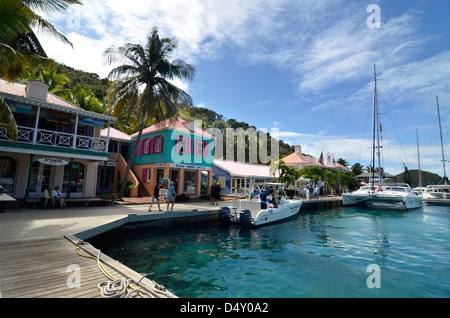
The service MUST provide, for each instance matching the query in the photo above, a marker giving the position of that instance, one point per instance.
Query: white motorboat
(437, 194)
(256, 212)
(393, 196)
(382, 194)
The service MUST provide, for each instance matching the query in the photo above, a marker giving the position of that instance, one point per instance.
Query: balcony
(42, 137)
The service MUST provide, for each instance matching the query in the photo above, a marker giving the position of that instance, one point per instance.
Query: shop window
(199, 148)
(7, 173)
(157, 144)
(184, 145)
(78, 178)
(190, 179)
(146, 146)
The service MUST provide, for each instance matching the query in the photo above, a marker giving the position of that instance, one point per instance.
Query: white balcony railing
(26, 135)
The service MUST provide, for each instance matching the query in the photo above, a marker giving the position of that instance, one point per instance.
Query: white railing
(55, 139)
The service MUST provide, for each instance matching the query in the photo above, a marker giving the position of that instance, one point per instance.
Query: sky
(304, 67)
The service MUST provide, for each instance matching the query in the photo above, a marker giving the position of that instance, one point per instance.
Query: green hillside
(427, 178)
(210, 119)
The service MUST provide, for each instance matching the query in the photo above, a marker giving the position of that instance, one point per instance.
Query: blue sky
(304, 67)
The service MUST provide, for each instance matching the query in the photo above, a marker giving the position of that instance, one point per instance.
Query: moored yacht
(381, 194)
(439, 193)
(393, 195)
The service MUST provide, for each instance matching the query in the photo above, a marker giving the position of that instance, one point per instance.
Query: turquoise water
(323, 253)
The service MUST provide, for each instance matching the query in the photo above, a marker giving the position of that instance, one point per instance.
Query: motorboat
(392, 196)
(381, 194)
(261, 207)
(437, 194)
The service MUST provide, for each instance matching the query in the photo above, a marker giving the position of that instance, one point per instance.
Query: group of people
(171, 195)
(170, 199)
(215, 194)
(53, 195)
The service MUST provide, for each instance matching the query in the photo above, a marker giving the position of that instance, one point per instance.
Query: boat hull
(382, 200)
(245, 213)
(275, 215)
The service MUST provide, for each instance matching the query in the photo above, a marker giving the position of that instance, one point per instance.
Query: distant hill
(91, 81)
(209, 117)
(427, 178)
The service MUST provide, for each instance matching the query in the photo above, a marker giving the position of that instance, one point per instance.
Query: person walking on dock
(155, 197)
(171, 195)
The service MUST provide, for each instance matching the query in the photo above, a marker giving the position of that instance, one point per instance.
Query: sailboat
(439, 193)
(392, 195)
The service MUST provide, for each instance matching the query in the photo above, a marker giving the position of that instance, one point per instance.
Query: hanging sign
(53, 161)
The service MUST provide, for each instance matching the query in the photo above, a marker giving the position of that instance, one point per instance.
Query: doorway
(41, 177)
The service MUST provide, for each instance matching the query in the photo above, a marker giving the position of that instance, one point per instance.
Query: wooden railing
(42, 137)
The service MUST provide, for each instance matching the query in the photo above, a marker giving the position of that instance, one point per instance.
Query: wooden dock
(39, 259)
(322, 203)
(38, 256)
(38, 269)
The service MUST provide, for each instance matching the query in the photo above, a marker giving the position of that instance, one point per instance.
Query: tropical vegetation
(139, 92)
(142, 84)
(20, 50)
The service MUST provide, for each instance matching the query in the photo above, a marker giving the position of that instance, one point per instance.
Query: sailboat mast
(377, 127)
(442, 142)
(418, 157)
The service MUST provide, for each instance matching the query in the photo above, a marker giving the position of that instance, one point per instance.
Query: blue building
(235, 177)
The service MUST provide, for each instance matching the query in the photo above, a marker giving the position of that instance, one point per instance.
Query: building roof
(296, 159)
(178, 124)
(240, 169)
(115, 134)
(17, 92)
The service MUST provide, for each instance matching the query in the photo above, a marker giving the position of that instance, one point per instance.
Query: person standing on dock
(171, 195)
(155, 197)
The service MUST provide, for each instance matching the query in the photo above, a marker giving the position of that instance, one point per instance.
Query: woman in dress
(171, 195)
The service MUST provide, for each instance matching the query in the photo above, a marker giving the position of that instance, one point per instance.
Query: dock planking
(39, 269)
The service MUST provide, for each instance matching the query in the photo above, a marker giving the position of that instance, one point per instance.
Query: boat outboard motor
(224, 214)
(245, 218)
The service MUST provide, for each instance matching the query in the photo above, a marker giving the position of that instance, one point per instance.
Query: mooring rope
(119, 287)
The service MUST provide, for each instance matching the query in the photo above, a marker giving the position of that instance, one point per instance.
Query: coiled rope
(118, 287)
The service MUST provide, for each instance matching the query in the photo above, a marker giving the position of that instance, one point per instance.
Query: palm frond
(7, 120)
(50, 6)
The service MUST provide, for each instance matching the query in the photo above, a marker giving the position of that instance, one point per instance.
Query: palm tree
(7, 120)
(332, 177)
(314, 173)
(19, 47)
(287, 174)
(142, 83)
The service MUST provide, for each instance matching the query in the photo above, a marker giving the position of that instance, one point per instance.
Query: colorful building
(175, 150)
(59, 144)
(235, 177)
